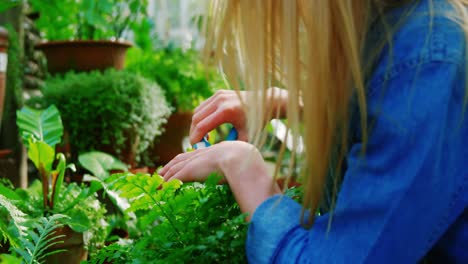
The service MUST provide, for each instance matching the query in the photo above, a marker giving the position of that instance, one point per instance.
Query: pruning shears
(233, 135)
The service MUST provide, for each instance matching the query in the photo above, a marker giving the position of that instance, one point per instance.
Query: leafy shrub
(189, 223)
(115, 111)
(185, 80)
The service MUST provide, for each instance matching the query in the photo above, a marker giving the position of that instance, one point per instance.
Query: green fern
(18, 222)
(190, 223)
(37, 244)
(143, 191)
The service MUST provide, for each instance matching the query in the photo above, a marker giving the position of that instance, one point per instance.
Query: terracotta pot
(3, 68)
(84, 55)
(169, 144)
(74, 246)
(139, 170)
(4, 152)
(133, 170)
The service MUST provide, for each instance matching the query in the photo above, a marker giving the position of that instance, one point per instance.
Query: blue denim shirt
(409, 195)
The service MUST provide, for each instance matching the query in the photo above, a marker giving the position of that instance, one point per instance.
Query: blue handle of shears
(233, 135)
(204, 142)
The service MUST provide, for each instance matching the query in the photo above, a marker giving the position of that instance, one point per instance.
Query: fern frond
(39, 241)
(18, 220)
(143, 191)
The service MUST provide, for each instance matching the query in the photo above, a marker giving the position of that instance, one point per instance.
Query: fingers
(174, 169)
(209, 123)
(211, 99)
(176, 165)
(202, 114)
(177, 160)
(191, 167)
(223, 107)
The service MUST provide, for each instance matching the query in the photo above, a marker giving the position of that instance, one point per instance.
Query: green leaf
(34, 250)
(97, 184)
(78, 221)
(43, 125)
(100, 163)
(61, 167)
(9, 259)
(7, 4)
(213, 179)
(9, 193)
(18, 221)
(42, 155)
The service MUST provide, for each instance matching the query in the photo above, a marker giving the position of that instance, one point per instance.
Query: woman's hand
(241, 164)
(225, 107)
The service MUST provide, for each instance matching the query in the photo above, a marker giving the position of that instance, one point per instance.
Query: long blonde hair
(314, 49)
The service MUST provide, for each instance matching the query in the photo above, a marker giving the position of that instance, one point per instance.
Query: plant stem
(45, 185)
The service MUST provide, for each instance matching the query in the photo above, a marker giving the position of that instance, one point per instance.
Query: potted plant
(85, 35)
(186, 83)
(81, 214)
(116, 112)
(26, 240)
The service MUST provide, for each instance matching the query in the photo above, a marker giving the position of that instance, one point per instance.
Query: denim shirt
(407, 198)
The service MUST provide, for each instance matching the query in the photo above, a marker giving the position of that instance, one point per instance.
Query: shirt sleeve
(398, 199)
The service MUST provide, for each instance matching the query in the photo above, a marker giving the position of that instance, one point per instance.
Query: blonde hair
(313, 48)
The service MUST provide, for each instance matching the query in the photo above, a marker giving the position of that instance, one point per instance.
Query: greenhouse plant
(116, 112)
(69, 218)
(86, 35)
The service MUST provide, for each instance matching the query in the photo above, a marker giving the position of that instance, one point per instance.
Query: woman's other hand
(241, 164)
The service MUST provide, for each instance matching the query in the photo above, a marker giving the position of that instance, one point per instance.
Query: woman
(377, 90)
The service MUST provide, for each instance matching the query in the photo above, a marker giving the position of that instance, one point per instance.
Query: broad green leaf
(100, 163)
(97, 184)
(78, 221)
(42, 155)
(43, 125)
(9, 193)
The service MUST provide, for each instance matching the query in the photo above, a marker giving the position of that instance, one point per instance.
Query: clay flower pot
(169, 144)
(84, 55)
(73, 245)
